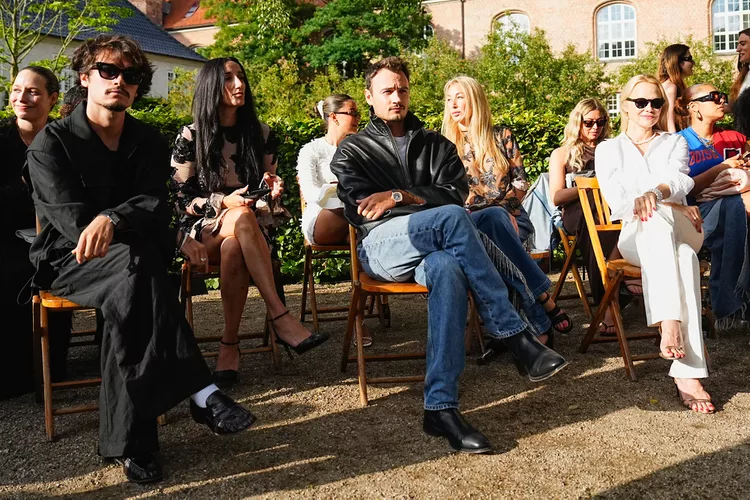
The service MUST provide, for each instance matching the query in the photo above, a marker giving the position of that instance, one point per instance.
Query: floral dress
(200, 210)
(498, 193)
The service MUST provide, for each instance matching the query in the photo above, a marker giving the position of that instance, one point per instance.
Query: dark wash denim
(441, 249)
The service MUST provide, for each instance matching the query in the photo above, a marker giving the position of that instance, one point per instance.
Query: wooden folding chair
(613, 273)
(186, 296)
(362, 287)
(315, 252)
(570, 245)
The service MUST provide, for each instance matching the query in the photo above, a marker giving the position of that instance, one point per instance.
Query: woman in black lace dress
(218, 160)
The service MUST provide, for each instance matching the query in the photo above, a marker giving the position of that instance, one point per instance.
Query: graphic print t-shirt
(703, 157)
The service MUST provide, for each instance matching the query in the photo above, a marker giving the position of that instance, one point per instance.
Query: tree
(258, 33)
(25, 23)
(356, 31)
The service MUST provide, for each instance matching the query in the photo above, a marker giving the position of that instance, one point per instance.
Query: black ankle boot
(461, 435)
(534, 358)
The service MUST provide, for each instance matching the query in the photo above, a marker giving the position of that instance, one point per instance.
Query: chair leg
(609, 295)
(580, 289)
(305, 273)
(620, 329)
(313, 300)
(381, 311)
(361, 372)
(49, 418)
(569, 256)
(350, 327)
(37, 343)
(274, 346)
(162, 419)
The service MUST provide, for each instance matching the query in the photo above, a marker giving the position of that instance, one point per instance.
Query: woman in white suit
(643, 174)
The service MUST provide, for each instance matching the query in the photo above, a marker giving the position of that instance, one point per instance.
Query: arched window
(615, 31)
(728, 18)
(513, 21)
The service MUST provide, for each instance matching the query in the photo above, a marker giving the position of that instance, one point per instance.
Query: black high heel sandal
(556, 315)
(313, 340)
(226, 378)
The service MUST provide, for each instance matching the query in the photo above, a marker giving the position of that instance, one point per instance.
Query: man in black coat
(403, 188)
(100, 191)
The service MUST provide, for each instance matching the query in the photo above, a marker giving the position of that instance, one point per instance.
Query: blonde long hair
(627, 91)
(572, 139)
(480, 130)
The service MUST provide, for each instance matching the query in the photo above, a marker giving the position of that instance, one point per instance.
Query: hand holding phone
(258, 193)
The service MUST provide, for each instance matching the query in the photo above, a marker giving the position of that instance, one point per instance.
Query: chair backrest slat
(588, 189)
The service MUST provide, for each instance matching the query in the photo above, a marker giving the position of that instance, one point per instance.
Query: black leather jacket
(368, 163)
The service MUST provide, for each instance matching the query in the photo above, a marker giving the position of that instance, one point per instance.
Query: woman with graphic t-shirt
(713, 152)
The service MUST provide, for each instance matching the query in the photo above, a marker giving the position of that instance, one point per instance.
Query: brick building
(612, 31)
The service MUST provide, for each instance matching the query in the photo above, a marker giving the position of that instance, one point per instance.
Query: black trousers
(149, 359)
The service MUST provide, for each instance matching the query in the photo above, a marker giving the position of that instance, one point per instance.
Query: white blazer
(624, 174)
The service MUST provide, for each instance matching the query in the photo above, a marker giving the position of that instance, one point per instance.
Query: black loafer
(534, 358)
(143, 469)
(461, 435)
(222, 414)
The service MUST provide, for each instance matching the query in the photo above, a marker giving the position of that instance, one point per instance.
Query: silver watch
(657, 192)
(397, 196)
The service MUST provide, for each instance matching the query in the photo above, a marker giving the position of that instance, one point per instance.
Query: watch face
(397, 197)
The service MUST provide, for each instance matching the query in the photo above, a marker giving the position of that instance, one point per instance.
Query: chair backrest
(588, 193)
(354, 258)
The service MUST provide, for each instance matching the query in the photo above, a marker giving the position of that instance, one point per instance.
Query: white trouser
(665, 247)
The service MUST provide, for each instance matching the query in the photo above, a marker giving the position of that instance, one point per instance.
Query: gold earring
(699, 116)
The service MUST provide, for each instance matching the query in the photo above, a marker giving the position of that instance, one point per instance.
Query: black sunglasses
(132, 76)
(599, 123)
(641, 102)
(687, 59)
(714, 96)
(353, 113)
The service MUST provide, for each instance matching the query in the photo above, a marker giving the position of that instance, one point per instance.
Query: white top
(745, 83)
(624, 174)
(313, 171)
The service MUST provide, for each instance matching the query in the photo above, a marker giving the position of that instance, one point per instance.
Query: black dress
(18, 213)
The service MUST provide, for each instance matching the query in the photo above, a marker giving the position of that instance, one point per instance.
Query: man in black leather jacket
(403, 188)
(100, 190)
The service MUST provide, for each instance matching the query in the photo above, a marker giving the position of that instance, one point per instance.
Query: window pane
(629, 30)
(718, 6)
(615, 12)
(733, 23)
(629, 12)
(617, 31)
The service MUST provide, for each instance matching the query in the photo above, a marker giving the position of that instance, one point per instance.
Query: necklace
(706, 142)
(644, 141)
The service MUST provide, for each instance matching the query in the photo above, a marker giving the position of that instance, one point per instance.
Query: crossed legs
(242, 253)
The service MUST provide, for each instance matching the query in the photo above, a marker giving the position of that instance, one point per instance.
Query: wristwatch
(397, 196)
(657, 192)
(113, 217)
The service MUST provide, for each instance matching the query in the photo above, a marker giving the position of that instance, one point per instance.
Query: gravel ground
(588, 432)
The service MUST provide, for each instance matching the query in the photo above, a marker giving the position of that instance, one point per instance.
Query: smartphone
(731, 152)
(258, 193)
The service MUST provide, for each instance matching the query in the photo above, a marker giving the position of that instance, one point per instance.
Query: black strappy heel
(226, 378)
(556, 315)
(313, 340)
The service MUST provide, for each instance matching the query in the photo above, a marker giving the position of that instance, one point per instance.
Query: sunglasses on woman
(354, 113)
(641, 102)
(599, 123)
(686, 59)
(132, 76)
(715, 96)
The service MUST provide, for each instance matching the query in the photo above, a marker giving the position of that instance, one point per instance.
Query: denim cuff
(506, 334)
(443, 406)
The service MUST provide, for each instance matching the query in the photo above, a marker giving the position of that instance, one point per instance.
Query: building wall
(195, 37)
(48, 48)
(569, 21)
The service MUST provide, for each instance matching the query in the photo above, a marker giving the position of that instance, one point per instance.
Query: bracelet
(657, 192)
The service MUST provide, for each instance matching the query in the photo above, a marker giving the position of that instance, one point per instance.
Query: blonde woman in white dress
(643, 174)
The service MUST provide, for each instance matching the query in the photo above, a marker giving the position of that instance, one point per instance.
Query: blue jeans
(495, 223)
(441, 249)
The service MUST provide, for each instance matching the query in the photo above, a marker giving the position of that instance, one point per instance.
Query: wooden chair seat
(369, 284)
(628, 270)
(58, 303)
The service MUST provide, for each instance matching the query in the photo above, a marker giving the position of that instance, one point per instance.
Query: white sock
(201, 396)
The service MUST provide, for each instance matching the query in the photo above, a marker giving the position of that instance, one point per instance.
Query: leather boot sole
(435, 432)
(550, 374)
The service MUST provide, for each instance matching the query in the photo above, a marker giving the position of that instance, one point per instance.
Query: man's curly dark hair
(124, 47)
